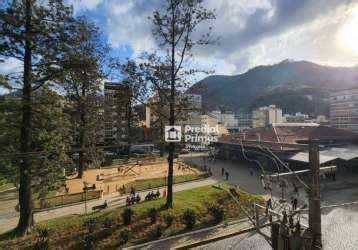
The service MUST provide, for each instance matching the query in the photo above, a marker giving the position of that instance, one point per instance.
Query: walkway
(9, 218)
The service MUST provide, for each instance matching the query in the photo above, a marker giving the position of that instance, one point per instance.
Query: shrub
(158, 231)
(124, 235)
(127, 216)
(90, 225)
(42, 240)
(153, 214)
(107, 223)
(89, 242)
(189, 218)
(169, 220)
(217, 212)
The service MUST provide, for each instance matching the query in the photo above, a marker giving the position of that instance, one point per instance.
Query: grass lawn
(107, 230)
(144, 184)
(4, 184)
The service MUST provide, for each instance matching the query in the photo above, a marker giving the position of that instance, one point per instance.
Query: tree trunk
(171, 150)
(82, 153)
(129, 126)
(25, 194)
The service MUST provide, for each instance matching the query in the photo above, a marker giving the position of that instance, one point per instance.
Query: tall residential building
(115, 112)
(344, 109)
(264, 116)
(244, 121)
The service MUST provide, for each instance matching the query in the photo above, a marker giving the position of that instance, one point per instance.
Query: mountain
(292, 85)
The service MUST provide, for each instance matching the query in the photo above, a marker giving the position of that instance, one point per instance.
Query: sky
(250, 32)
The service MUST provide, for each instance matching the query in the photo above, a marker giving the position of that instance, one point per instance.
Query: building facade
(264, 116)
(188, 113)
(244, 121)
(226, 119)
(115, 112)
(344, 109)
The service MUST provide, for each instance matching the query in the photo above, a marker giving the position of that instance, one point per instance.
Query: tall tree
(83, 72)
(32, 32)
(134, 82)
(176, 30)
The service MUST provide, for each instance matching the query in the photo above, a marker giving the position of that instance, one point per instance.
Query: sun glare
(348, 35)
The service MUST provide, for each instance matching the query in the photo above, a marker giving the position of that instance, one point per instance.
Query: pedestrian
(132, 190)
(251, 171)
(294, 203)
(227, 176)
(210, 173)
(268, 205)
(105, 204)
(222, 171)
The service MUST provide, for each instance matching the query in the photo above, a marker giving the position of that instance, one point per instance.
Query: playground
(112, 179)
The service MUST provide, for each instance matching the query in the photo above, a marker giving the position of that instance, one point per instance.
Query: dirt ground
(111, 179)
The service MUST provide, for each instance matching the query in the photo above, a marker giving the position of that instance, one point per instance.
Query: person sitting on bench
(133, 199)
(128, 201)
(137, 198)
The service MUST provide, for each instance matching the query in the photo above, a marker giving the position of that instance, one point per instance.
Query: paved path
(9, 218)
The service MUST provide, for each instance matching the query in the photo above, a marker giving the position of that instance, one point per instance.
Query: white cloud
(10, 65)
(128, 24)
(79, 5)
(252, 32)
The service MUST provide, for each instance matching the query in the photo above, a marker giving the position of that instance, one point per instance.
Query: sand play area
(110, 179)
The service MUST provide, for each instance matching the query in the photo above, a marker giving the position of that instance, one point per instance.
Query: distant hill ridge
(292, 85)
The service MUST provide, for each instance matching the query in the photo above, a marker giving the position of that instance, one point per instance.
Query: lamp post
(85, 187)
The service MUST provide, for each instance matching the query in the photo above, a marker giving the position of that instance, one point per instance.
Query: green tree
(32, 33)
(175, 28)
(135, 83)
(83, 72)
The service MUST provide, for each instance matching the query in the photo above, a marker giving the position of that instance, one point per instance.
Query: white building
(264, 116)
(228, 120)
(211, 121)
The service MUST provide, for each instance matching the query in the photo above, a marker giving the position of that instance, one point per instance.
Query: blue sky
(251, 32)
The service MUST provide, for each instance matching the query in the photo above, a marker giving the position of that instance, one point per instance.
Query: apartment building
(344, 109)
(244, 121)
(115, 112)
(264, 116)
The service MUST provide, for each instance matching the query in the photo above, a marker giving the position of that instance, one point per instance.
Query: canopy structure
(344, 153)
(303, 157)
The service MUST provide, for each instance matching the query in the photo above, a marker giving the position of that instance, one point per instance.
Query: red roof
(291, 134)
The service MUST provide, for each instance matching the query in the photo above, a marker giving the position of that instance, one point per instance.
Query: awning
(346, 153)
(303, 157)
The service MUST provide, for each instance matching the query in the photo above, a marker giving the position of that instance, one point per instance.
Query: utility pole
(314, 196)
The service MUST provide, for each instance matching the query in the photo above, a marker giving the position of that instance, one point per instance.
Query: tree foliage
(82, 74)
(175, 28)
(34, 33)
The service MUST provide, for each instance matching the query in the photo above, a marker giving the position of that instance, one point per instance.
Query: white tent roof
(303, 157)
(346, 153)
